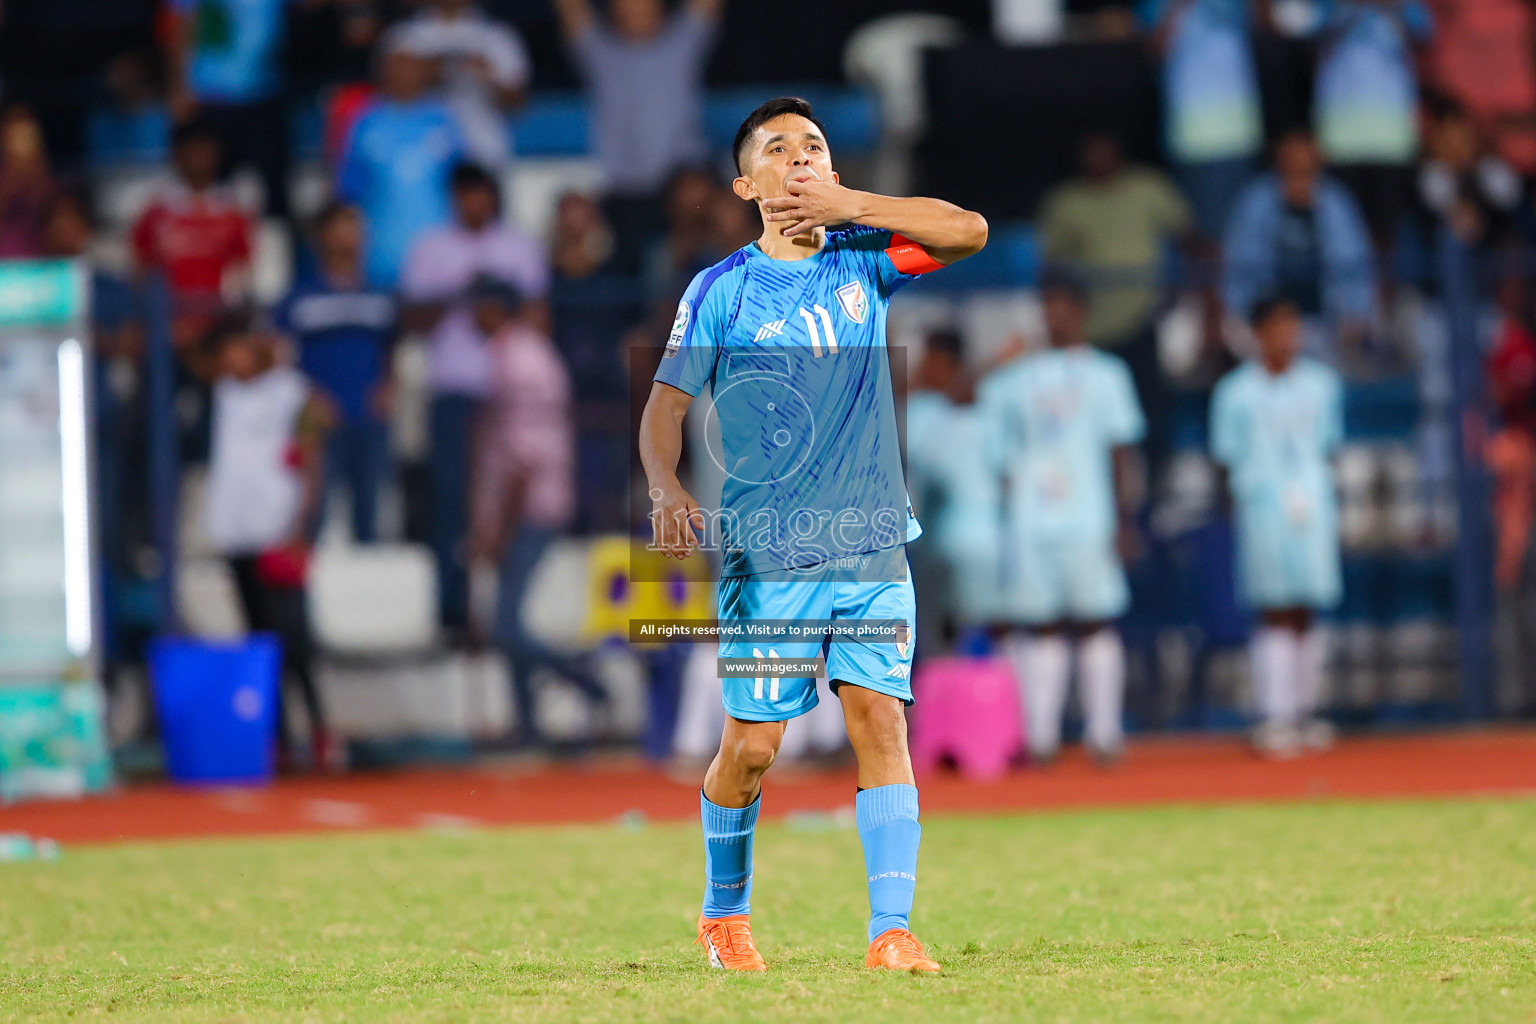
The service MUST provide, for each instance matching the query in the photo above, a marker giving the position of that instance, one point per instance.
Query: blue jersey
(343, 336)
(1053, 419)
(396, 167)
(1275, 434)
(794, 355)
(237, 48)
(959, 494)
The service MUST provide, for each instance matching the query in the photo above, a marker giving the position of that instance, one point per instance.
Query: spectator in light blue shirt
(398, 160)
(1298, 234)
(1215, 122)
(1366, 103)
(226, 61)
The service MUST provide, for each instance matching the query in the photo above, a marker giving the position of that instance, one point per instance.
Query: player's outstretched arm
(674, 513)
(945, 231)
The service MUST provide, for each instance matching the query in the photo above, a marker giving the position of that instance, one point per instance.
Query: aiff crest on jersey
(851, 297)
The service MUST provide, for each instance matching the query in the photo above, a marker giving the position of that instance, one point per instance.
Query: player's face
(475, 205)
(786, 149)
(343, 235)
(637, 19)
(1299, 163)
(1279, 337)
(404, 76)
(938, 370)
(241, 357)
(1064, 315)
(69, 231)
(197, 161)
(490, 316)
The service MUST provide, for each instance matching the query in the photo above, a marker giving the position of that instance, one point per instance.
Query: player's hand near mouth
(947, 232)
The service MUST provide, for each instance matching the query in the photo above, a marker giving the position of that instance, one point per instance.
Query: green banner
(52, 741)
(40, 292)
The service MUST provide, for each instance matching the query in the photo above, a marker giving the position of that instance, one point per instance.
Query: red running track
(1200, 770)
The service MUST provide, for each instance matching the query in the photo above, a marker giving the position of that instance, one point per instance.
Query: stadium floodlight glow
(76, 500)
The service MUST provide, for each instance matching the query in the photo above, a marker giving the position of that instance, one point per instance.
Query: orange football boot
(899, 950)
(728, 940)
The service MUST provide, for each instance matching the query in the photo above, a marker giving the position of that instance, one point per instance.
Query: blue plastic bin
(217, 704)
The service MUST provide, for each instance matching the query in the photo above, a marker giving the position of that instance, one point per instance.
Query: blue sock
(728, 856)
(887, 819)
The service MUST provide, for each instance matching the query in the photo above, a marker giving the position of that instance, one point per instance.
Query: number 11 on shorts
(773, 681)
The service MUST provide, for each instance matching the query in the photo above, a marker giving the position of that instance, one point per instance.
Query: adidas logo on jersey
(900, 671)
(772, 329)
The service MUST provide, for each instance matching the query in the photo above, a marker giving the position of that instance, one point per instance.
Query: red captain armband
(909, 257)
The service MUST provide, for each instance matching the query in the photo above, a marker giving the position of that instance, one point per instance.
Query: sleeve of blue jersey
(1223, 427)
(871, 244)
(1335, 410)
(990, 402)
(1128, 423)
(689, 359)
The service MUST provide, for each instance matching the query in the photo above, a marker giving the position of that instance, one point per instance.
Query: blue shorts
(883, 667)
(1067, 581)
(1286, 565)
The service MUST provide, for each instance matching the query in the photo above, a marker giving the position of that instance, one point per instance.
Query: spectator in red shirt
(196, 234)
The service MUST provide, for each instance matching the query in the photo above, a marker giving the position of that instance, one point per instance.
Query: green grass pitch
(1335, 911)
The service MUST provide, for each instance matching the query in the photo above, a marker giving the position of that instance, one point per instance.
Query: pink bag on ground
(967, 709)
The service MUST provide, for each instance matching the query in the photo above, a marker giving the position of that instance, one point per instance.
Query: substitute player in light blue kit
(1275, 424)
(1062, 427)
(788, 333)
(955, 490)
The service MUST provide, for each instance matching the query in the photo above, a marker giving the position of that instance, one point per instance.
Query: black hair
(948, 341)
(1266, 307)
(226, 327)
(1297, 130)
(1057, 278)
(1096, 132)
(489, 288)
(767, 112)
(195, 129)
(471, 175)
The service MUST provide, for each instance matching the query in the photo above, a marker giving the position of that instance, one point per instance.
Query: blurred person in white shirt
(483, 65)
(265, 476)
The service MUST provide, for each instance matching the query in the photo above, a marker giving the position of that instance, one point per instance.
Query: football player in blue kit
(788, 334)
(1276, 422)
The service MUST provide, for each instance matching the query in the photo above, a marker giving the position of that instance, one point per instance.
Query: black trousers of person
(285, 612)
(255, 135)
(525, 654)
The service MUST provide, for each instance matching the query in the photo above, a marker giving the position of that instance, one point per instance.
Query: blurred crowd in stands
(1314, 149)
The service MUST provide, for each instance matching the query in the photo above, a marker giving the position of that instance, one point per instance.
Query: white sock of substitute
(1047, 664)
(1274, 654)
(1102, 680)
(699, 715)
(1312, 655)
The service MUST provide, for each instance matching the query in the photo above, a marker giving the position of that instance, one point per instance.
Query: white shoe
(1317, 734)
(1276, 741)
